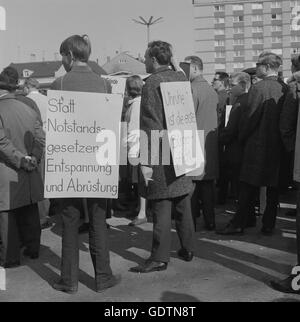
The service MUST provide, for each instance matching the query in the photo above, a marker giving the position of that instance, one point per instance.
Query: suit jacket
(165, 184)
(259, 133)
(21, 134)
(206, 102)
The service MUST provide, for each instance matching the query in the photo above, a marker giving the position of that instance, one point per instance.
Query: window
(276, 16)
(257, 6)
(295, 38)
(295, 3)
(257, 29)
(220, 54)
(219, 20)
(275, 4)
(256, 52)
(276, 28)
(257, 41)
(238, 65)
(238, 30)
(238, 42)
(277, 51)
(238, 18)
(237, 7)
(295, 51)
(257, 18)
(219, 32)
(219, 43)
(219, 8)
(276, 40)
(238, 53)
(220, 66)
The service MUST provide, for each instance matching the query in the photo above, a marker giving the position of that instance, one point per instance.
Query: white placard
(118, 84)
(184, 138)
(74, 123)
(228, 110)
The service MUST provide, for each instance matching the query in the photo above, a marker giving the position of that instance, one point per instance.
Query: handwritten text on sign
(74, 122)
(182, 127)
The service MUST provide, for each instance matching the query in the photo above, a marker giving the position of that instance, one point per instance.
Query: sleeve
(252, 115)
(288, 120)
(39, 141)
(8, 152)
(151, 119)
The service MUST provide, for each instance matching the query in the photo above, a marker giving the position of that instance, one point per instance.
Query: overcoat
(21, 134)
(259, 133)
(165, 184)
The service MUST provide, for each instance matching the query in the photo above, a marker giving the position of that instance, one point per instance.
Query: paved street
(223, 269)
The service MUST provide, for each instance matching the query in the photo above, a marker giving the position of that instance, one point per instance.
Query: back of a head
(241, 78)
(195, 60)
(12, 74)
(162, 51)
(79, 46)
(270, 59)
(134, 86)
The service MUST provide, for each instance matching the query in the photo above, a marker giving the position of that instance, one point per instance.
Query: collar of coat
(199, 78)
(6, 95)
(162, 69)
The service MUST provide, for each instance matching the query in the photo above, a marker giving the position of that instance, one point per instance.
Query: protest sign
(82, 145)
(118, 84)
(183, 135)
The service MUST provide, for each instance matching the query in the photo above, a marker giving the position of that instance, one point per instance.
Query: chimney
(108, 59)
(56, 56)
(32, 57)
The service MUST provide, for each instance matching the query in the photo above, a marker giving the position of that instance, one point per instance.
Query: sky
(39, 27)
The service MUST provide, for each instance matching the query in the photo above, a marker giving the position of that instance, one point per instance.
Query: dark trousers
(162, 224)
(247, 198)
(97, 239)
(204, 193)
(19, 227)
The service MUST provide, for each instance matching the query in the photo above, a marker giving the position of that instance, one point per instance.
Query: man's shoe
(152, 266)
(11, 264)
(284, 286)
(31, 255)
(113, 281)
(267, 231)
(60, 286)
(230, 230)
(84, 228)
(185, 255)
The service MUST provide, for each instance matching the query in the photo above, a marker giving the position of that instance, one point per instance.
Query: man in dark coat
(205, 101)
(229, 136)
(260, 135)
(21, 148)
(159, 183)
(290, 131)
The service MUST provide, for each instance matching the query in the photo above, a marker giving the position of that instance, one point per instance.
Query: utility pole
(148, 24)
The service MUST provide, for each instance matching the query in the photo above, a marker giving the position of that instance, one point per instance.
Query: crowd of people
(251, 130)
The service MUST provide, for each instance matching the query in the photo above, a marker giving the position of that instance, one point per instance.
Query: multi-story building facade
(230, 34)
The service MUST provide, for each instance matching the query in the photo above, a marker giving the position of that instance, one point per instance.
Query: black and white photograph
(149, 153)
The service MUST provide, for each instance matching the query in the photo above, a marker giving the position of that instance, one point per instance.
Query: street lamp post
(148, 24)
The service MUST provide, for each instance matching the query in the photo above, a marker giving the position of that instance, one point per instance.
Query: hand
(147, 174)
(28, 164)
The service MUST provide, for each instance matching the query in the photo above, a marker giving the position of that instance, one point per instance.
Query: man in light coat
(205, 102)
(21, 147)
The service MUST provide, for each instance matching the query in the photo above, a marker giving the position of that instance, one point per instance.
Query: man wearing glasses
(260, 136)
